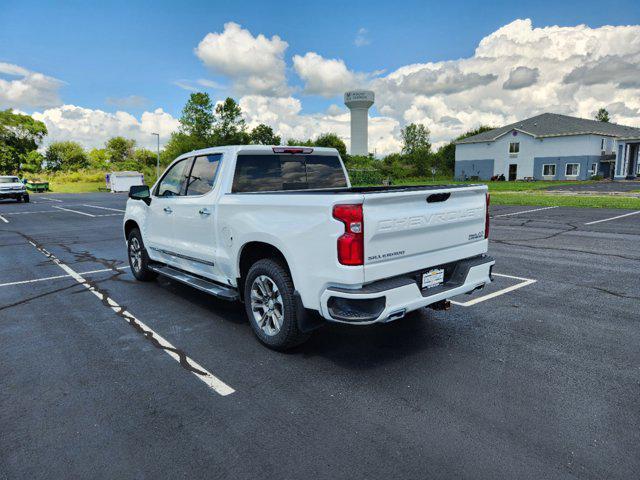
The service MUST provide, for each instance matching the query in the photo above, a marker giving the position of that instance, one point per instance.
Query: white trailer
(122, 181)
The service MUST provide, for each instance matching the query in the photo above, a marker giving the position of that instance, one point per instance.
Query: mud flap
(308, 320)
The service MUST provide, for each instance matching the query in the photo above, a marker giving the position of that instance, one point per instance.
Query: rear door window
(269, 173)
(203, 174)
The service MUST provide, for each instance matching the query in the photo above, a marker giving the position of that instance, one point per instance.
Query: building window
(514, 148)
(602, 144)
(572, 169)
(549, 170)
(594, 169)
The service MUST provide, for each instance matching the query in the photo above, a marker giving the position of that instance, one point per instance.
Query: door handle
(167, 210)
(204, 211)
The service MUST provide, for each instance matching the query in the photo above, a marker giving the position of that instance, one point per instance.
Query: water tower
(359, 102)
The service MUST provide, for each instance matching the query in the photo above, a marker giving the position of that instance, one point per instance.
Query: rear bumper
(392, 298)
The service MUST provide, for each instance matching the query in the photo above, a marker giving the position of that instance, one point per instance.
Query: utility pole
(158, 159)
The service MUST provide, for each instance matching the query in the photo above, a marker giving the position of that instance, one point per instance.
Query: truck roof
(259, 149)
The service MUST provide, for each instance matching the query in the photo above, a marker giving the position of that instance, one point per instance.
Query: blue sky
(107, 51)
(120, 48)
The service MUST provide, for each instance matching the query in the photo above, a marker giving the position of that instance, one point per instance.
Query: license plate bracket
(432, 278)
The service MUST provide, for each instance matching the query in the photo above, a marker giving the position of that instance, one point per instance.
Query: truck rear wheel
(138, 258)
(270, 305)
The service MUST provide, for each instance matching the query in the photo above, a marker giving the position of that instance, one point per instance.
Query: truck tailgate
(405, 231)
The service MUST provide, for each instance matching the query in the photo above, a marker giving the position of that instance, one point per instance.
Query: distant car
(12, 187)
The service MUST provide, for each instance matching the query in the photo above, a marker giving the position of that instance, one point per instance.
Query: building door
(633, 160)
(513, 172)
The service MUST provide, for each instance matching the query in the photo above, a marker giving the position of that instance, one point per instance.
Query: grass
(81, 181)
(56, 186)
(547, 200)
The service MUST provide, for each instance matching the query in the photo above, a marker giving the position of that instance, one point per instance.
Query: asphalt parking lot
(537, 376)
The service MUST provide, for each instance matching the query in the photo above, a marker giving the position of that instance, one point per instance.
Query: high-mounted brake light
(486, 218)
(351, 243)
(292, 150)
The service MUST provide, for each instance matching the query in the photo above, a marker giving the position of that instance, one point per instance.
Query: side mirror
(140, 192)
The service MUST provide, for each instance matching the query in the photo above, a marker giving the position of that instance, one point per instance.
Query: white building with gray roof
(550, 147)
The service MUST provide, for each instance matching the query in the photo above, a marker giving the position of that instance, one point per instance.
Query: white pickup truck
(283, 230)
(12, 187)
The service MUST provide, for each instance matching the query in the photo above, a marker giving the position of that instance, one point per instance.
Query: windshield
(9, 180)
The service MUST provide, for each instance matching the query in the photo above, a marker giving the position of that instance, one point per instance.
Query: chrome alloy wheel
(266, 305)
(135, 254)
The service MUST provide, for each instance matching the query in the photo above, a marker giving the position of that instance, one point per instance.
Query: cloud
(326, 76)
(197, 85)
(254, 64)
(131, 101)
(92, 128)
(284, 115)
(571, 70)
(30, 90)
(362, 38)
(434, 79)
(521, 77)
(611, 69)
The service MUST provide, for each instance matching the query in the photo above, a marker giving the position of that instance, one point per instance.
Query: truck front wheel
(270, 305)
(138, 258)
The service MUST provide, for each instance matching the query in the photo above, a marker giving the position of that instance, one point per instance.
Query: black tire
(18, 199)
(139, 265)
(288, 335)
(25, 199)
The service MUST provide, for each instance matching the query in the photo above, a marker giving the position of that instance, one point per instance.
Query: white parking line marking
(104, 208)
(56, 277)
(34, 211)
(525, 211)
(179, 356)
(523, 283)
(4, 219)
(50, 199)
(74, 211)
(613, 218)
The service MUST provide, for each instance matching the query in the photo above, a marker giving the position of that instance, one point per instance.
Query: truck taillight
(351, 243)
(486, 218)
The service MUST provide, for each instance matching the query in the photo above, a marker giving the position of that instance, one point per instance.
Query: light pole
(158, 159)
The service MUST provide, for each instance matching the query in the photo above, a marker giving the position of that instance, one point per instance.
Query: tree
(415, 137)
(32, 162)
(180, 143)
(197, 117)
(332, 140)
(446, 155)
(263, 135)
(145, 158)
(65, 156)
(603, 115)
(230, 127)
(120, 149)
(98, 159)
(19, 135)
